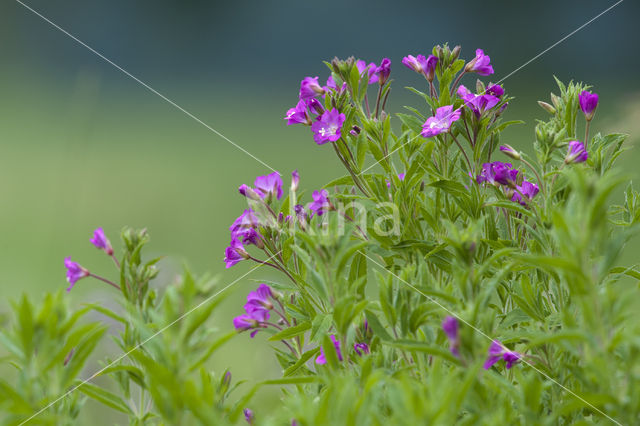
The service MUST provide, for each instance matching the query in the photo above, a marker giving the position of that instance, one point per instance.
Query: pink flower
(441, 123)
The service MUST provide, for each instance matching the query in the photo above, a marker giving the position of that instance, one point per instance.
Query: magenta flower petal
(511, 358)
(298, 114)
(369, 69)
(481, 64)
(528, 189)
(269, 185)
(588, 103)
(441, 123)
(327, 127)
(495, 90)
(336, 343)
(320, 203)
(383, 71)
(310, 88)
(361, 348)
(75, 272)
(101, 241)
(234, 253)
(577, 153)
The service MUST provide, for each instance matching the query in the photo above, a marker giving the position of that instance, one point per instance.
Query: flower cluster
(499, 173)
(326, 124)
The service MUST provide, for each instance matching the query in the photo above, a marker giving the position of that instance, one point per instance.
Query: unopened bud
(555, 100)
(480, 86)
(510, 152)
(295, 179)
(547, 107)
(455, 53)
(249, 192)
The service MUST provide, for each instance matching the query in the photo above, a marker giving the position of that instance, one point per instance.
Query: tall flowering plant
(447, 277)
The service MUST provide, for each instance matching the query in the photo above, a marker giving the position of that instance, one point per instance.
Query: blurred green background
(83, 145)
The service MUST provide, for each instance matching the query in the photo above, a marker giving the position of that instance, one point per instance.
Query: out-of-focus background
(83, 145)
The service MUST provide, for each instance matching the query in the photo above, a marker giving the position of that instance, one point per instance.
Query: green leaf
(290, 332)
(376, 326)
(303, 359)
(109, 399)
(423, 347)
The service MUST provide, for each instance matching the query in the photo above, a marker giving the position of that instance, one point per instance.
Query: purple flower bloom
(75, 272)
(480, 64)
(495, 90)
(528, 189)
(321, 203)
(259, 299)
(421, 65)
(370, 70)
(327, 128)
(497, 351)
(361, 348)
(298, 114)
(577, 153)
(477, 103)
(321, 358)
(497, 172)
(315, 107)
(441, 123)
(383, 71)
(269, 185)
(251, 320)
(243, 225)
(503, 174)
(450, 328)
(310, 88)
(101, 241)
(248, 415)
(588, 103)
(234, 253)
(418, 64)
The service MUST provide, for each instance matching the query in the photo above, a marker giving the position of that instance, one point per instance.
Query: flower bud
(577, 153)
(248, 192)
(295, 179)
(455, 53)
(588, 104)
(555, 99)
(547, 107)
(510, 152)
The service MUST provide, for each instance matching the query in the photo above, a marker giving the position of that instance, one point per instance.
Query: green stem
(586, 134)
